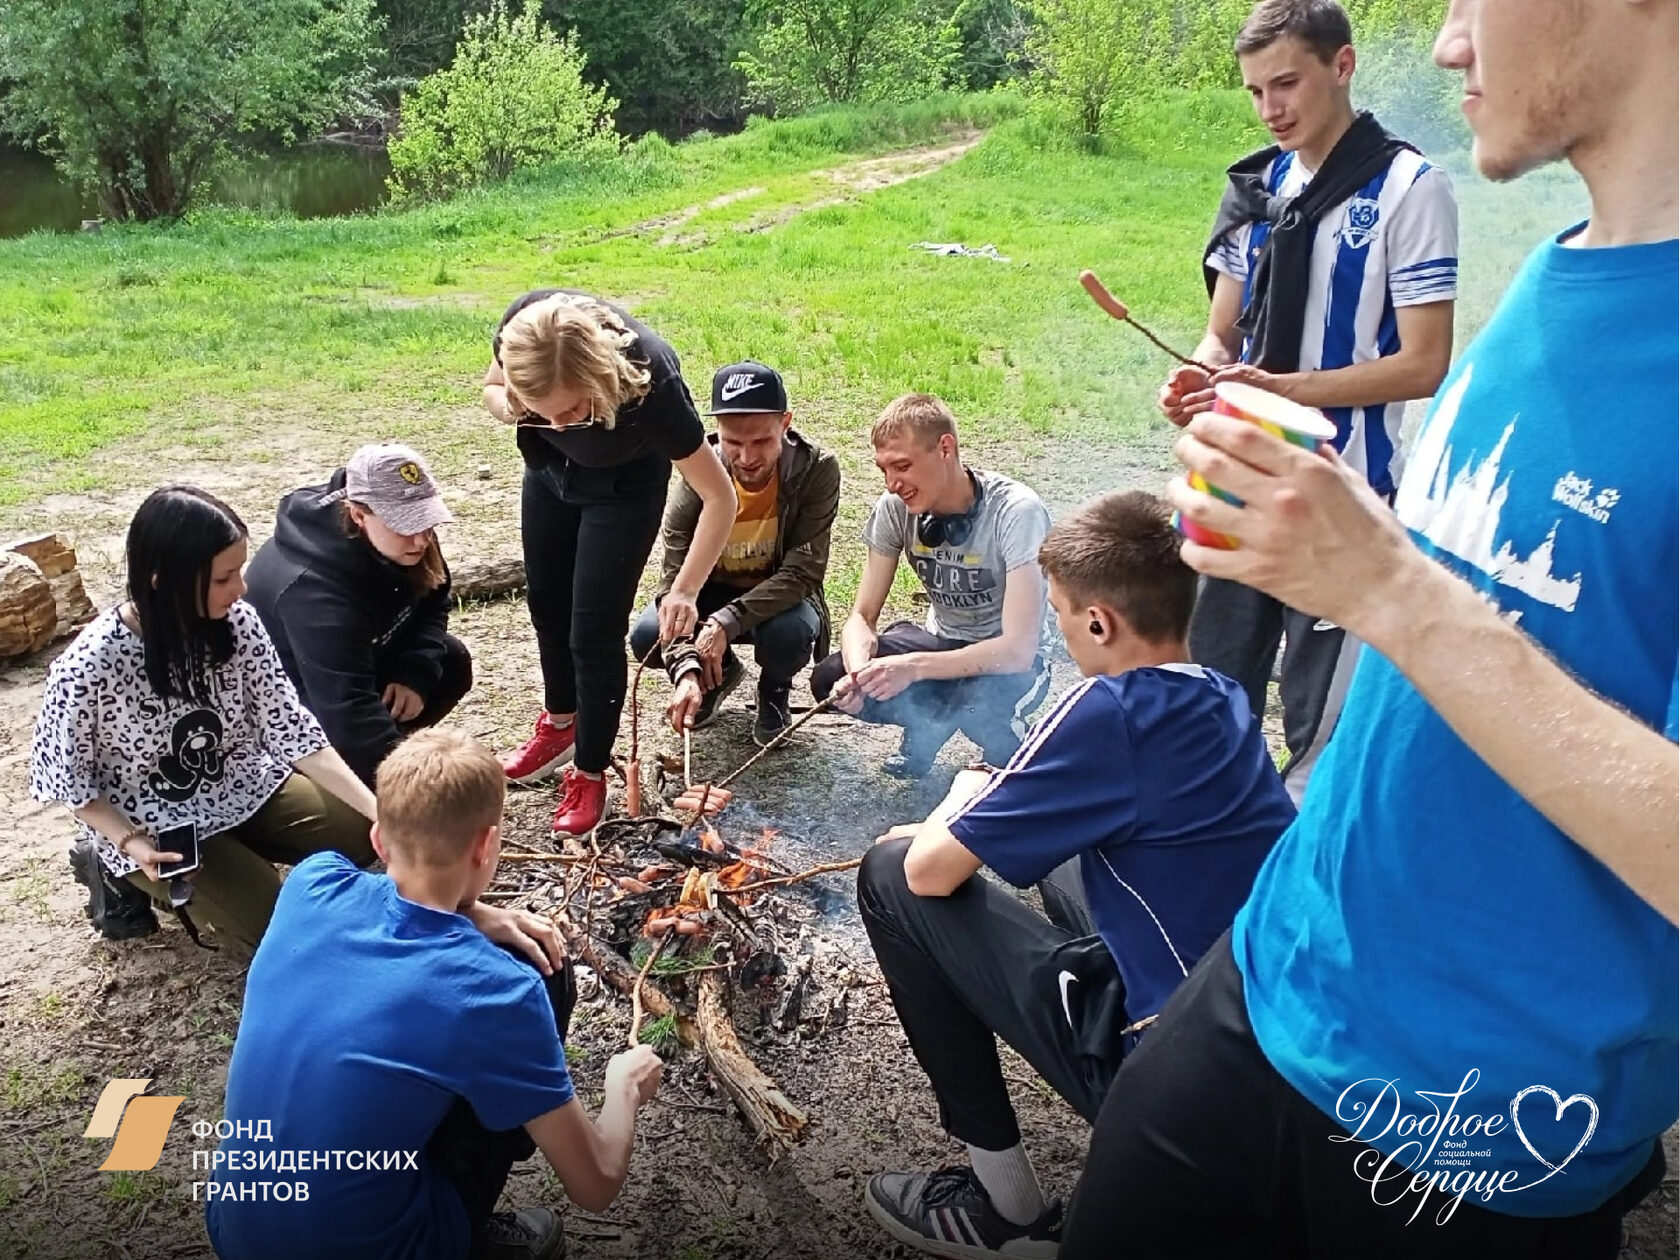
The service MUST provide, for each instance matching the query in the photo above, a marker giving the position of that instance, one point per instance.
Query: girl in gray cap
(355, 594)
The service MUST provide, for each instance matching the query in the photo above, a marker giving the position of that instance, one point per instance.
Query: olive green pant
(235, 889)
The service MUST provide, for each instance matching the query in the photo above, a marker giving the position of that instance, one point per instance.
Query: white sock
(1010, 1182)
(561, 722)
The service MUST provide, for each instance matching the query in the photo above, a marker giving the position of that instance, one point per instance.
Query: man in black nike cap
(767, 586)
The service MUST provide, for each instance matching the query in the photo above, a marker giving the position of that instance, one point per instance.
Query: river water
(312, 181)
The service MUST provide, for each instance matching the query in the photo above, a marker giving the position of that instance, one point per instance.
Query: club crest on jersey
(1360, 223)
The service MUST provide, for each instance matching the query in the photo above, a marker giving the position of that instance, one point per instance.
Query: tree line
(135, 99)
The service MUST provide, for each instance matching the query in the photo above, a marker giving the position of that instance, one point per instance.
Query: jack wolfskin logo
(139, 1123)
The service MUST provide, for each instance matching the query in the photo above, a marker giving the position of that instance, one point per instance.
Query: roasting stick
(633, 766)
(1118, 309)
(822, 706)
(688, 758)
(636, 990)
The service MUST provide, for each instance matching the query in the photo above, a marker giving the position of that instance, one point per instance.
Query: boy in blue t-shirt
(1445, 1023)
(398, 1017)
(1152, 774)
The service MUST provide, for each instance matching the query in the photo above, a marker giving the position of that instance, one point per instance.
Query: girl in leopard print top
(172, 709)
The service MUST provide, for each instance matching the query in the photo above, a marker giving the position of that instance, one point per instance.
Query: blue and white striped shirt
(1393, 243)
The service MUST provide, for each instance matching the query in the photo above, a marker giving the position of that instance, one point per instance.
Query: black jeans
(478, 1160)
(981, 964)
(781, 644)
(1236, 630)
(1203, 1150)
(455, 682)
(989, 708)
(586, 534)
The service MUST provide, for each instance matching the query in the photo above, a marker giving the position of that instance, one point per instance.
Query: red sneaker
(548, 748)
(582, 802)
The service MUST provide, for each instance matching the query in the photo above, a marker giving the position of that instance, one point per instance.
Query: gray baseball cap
(393, 482)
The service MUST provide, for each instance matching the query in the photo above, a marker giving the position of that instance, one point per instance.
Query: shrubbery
(1089, 59)
(135, 99)
(514, 98)
(821, 52)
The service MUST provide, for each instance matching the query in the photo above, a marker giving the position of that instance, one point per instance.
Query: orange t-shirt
(750, 554)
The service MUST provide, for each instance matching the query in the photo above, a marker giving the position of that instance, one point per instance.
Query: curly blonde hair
(572, 342)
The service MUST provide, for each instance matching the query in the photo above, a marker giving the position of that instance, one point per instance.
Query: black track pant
(980, 964)
(478, 1160)
(1236, 630)
(1202, 1151)
(990, 709)
(586, 534)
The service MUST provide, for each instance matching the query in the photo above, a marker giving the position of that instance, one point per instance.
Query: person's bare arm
(1314, 536)
(937, 863)
(326, 769)
(1188, 390)
(705, 475)
(861, 632)
(110, 823)
(1416, 370)
(499, 400)
(592, 1157)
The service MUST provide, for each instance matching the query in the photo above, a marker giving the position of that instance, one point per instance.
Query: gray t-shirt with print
(965, 584)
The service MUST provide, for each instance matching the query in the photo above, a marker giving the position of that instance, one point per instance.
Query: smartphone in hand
(182, 840)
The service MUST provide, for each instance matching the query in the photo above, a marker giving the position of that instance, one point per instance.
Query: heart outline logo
(1560, 1106)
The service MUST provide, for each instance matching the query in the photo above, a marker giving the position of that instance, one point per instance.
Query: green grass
(103, 336)
(223, 337)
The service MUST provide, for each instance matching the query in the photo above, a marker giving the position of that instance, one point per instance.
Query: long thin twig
(636, 708)
(1114, 307)
(738, 771)
(688, 758)
(636, 992)
(699, 811)
(825, 868)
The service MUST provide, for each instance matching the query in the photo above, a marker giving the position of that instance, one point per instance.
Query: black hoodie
(346, 623)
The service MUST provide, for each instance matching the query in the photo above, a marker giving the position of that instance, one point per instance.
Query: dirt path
(852, 179)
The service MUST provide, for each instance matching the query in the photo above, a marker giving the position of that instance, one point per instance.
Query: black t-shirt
(662, 422)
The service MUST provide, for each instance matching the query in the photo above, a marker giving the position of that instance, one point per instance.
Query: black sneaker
(733, 672)
(915, 755)
(117, 908)
(775, 715)
(534, 1234)
(948, 1213)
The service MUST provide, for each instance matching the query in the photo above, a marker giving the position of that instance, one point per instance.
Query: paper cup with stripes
(1295, 424)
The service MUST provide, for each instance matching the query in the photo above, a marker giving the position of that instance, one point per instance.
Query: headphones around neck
(933, 530)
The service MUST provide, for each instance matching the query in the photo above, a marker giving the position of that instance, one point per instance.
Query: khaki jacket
(807, 500)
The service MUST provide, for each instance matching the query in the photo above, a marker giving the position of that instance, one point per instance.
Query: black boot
(118, 909)
(534, 1234)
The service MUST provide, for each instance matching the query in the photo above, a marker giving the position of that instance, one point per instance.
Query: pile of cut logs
(41, 595)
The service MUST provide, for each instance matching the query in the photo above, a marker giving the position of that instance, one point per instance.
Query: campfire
(663, 888)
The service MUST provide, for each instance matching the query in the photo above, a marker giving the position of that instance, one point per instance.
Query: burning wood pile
(687, 923)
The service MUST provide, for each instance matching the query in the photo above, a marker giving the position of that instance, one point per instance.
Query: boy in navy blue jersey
(396, 1016)
(1154, 775)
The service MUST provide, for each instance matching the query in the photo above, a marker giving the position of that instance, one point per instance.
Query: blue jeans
(782, 644)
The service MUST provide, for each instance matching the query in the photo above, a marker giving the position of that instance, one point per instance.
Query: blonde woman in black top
(602, 414)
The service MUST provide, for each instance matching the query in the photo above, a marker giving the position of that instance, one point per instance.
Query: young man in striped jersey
(1154, 776)
(1332, 270)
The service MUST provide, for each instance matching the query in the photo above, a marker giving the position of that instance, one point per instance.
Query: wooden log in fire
(775, 1122)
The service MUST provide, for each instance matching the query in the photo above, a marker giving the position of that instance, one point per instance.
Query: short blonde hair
(438, 790)
(923, 416)
(573, 342)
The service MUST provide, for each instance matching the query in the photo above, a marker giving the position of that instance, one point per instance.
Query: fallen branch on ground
(776, 1123)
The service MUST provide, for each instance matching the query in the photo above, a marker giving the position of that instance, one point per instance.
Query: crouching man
(397, 1014)
(767, 587)
(1154, 775)
(972, 538)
